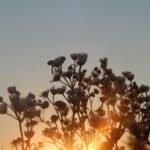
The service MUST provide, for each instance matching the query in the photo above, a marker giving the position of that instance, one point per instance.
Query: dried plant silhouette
(88, 110)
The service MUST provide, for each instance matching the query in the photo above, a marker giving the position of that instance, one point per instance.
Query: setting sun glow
(93, 146)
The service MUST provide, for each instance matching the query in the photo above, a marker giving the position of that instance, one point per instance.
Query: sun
(92, 146)
(95, 145)
(48, 147)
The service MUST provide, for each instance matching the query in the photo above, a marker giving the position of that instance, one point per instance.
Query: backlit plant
(87, 110)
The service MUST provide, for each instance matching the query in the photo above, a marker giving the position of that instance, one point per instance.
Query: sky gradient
(32, 32)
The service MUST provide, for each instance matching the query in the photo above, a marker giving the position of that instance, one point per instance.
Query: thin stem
(35, 147)
(47, 123)
(21, 132)
(64, 83)
(54, 143)
(9, 106)
(16, 147)
(11, 116)
(20, 128)
(59, 116)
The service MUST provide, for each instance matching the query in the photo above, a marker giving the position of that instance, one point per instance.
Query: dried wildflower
(105, 81)
(126, 73)
(124, 108)
(74, 56)
(44, 105)
(104, 60)
(95, 81)
(56, 77)
(73, 99)
(1, 99)
(31, 123)
(33, 112)
(40, 145)
(53, 90)
(61, 90)
(82, 58)
(60, 105)
(147, 98)
(92, 94)
(30, 102)
(104, 63)
(48, 132)
(84, 86)
(96, 69)
(29, 134)
(31, 95)
(57, 61)
(72, 126)
(135, 86)
(116, 134)
(96, 91)
(87, 79)
(103, 99)
(112, 101)
(54, 118)
(126, 101)
(16, 141)
(44, 94)
(94, 119)
(143, 88)
(108, 71)
(130, 77)
(11, 89)
(70, 68)
(79, 76)
(3, 108)
(100, 112)
(114, 116)
(120, 79)
(135, 129)
(57, 64)
(50, 62)
(95, 74)
(20, 105)
(67, 74)
(84, 100)
(136, 106)
(79, 92)
(112, 77)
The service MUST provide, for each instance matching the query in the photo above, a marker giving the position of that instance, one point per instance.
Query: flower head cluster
(85, 107)
(80, 58)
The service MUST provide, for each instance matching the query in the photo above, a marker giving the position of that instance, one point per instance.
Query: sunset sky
(34, 31)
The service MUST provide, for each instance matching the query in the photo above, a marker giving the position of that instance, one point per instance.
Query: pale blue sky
(34, 31)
